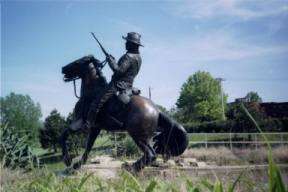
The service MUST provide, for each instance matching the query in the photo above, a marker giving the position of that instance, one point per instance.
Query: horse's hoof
(130, 168)
(77, 165)
(67, 160)
(126, 166)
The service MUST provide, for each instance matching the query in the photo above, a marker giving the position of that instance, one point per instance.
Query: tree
(163, 109)
(253, 97)
(53, 126)
(200, 98)
(22, 113)
(236, 113)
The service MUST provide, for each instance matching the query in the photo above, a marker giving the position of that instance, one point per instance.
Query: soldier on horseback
(125, 71)
(140, 117)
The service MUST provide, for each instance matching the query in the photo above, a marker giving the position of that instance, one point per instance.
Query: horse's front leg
(62, 140)
(94, 132)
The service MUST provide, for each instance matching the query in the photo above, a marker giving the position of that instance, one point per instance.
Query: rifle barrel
(102, 48)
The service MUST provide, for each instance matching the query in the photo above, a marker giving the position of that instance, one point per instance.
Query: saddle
(117, 108)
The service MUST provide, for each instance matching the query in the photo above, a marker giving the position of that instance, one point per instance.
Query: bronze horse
(141, 119)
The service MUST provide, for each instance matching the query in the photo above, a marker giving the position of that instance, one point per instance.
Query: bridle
(75, 92)
(101, 66)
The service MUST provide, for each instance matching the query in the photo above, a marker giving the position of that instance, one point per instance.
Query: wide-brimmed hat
(134, 38)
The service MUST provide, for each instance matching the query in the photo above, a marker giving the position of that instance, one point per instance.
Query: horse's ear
(97, 64)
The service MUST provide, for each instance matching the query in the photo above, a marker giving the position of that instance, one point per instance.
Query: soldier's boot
(76, 124)
(92, 116)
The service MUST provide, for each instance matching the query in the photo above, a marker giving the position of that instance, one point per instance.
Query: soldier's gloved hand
(110, 59)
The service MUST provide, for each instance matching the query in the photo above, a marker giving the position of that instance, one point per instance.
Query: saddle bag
(125, 95)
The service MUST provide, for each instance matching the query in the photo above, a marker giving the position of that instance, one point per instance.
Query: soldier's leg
(97, 105)
(80, 113)
(77, 115)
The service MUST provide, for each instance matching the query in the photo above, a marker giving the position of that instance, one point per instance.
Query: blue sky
(245, 42)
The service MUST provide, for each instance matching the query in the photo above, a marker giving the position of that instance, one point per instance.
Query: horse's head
(79, 68)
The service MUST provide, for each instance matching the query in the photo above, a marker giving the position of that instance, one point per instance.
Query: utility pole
(220, 80)
(150, 93)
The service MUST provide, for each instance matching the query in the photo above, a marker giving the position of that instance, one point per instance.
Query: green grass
(43, 180)
(55, 166)
(39, 151)
(46, 181)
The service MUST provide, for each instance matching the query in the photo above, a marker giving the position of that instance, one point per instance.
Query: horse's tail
(172, 139)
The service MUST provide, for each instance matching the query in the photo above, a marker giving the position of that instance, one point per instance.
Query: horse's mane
(79, 69)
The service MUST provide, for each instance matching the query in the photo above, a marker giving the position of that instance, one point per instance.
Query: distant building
(275, 110)
(242, 100)
(271, 109)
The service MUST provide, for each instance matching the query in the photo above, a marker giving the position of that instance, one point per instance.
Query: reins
(102, 64)
(75, 92)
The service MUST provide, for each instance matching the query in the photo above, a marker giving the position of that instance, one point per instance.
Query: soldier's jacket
(125, 70)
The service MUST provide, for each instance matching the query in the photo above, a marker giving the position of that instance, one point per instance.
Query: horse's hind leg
(149, 154)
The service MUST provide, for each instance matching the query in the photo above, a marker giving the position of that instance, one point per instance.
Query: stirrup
(76, 125)
(86, 126)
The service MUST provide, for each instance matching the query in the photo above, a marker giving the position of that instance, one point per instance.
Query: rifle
(102, 48)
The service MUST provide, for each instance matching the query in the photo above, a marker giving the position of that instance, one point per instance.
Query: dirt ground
(109, 168)
(199, 163)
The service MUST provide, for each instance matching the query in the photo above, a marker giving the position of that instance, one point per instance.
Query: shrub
(14, 150)
(268, 125)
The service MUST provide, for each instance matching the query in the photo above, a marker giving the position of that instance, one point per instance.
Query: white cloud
(230, 8)
(212, 46)
(125, 25)
(173, 60)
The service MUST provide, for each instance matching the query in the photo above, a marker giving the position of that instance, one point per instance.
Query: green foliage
(53, 127)
(177, 114)
(163, 109)
(21, 112)
(253, 97)
(48, 181)
(200, 98)
(125, 146)
(276, 183)
(211, 127)
(130, 147)
(236, 113)
(104, 142)
(14, 150)
(246, 126)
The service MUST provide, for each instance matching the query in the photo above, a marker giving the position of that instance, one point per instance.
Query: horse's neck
(90, 83)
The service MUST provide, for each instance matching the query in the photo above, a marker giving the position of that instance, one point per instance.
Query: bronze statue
(117, 106)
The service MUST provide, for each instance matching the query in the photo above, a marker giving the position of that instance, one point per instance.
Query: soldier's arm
(121, 67)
